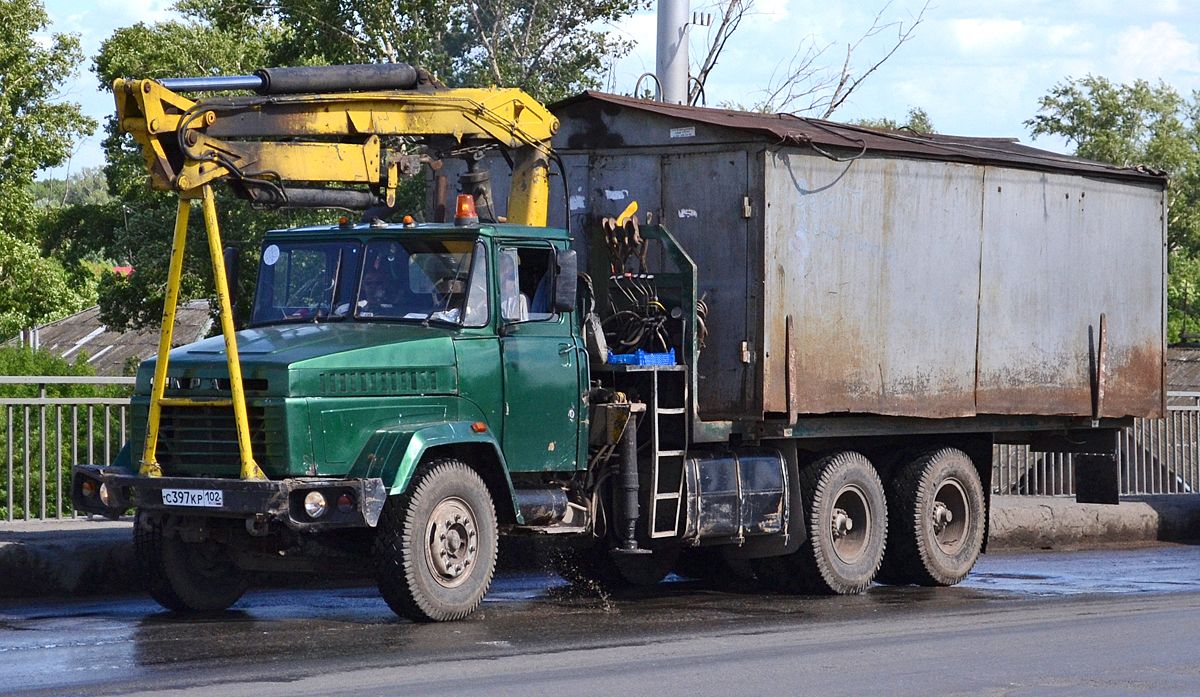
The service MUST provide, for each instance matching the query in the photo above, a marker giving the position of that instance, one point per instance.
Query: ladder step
(672, 453)
(671, 496)
(196, 402)
(671, 410)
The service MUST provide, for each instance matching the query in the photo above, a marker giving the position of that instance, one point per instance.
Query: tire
(845, 513)
(435, 549)
(937, 524)
(184, 576)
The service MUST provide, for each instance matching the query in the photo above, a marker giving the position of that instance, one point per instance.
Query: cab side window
(526, 277)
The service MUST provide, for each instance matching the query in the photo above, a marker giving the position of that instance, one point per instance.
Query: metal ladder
(666, 464)
(149, 466)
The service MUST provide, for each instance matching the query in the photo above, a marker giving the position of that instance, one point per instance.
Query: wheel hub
(452, 548)
(850, 523)
(948, 516)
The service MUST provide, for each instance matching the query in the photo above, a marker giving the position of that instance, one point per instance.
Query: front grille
(203, 440)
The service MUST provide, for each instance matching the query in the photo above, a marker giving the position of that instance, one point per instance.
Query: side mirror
(566, 281)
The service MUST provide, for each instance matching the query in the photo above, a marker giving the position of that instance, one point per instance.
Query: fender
(394, 453)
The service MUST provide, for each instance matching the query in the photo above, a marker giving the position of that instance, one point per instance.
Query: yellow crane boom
(359, 127)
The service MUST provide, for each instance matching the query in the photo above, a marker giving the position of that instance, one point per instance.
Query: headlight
(105, 495)
(314, 504)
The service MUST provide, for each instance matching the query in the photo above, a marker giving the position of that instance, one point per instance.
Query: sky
(977, 68)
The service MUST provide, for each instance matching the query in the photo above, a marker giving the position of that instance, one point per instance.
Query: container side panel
(702, 206)
(877, 262)
(615, 181)
(1060, 250)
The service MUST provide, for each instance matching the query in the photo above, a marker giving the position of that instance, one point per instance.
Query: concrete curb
(1037, 522)
(82, 557)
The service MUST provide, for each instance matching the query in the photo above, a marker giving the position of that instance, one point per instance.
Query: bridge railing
(1157, 456)
(43, 435)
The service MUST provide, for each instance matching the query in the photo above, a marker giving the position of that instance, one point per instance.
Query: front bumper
(262, 500)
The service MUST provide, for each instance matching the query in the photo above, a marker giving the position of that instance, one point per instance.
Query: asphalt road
(1097, 623)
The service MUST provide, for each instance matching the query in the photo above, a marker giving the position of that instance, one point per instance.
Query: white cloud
(987, 35)
(1159, 51)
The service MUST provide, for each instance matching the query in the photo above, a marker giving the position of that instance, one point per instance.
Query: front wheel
(184, 576)
(846, 515)
(937, 522)
(435, 549)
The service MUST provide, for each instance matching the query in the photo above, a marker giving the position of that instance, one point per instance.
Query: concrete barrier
(82, 557)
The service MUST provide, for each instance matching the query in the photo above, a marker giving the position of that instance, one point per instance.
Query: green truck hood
(323, 359)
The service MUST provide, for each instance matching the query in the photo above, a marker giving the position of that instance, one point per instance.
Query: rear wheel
(184, 576)
(846, 515)
(936, 530)
(435, 549)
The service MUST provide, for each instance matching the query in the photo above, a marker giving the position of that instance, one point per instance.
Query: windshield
(425, 280)
(444, 280)
(306, 281)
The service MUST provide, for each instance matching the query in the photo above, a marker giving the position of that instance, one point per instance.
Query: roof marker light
(464, 211)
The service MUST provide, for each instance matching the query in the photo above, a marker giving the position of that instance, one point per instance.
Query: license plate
(201, 498)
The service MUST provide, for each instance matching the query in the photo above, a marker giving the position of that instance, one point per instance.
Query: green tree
(36, 131)
(918, 120)
(1149, 125)
(135, 226)
(549, 49)
(86, 187)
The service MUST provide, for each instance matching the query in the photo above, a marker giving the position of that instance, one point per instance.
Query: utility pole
(671, 64)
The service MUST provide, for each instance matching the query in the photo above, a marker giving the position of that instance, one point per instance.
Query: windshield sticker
(271, 255)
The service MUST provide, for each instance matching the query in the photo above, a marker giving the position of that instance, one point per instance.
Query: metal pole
(671, 62)
(25, 427)
(42, 449)
(250, 469)
(149, 466)
(58, 461)
(10, 491)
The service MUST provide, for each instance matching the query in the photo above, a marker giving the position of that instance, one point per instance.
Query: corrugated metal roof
(1183, 369)
(789, 129)
(108, 351)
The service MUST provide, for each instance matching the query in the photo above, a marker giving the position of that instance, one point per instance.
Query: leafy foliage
(36, 131)
(135, 225)
(549, 49)
(1149, 125)
(918, 120)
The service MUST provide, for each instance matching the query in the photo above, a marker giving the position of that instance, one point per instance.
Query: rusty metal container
(852, 271)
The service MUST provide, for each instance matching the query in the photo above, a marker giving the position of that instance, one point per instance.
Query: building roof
(108, 351)
(1183, 369)
(818, 134)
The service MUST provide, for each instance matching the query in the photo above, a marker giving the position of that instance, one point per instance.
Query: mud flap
(1097, 463)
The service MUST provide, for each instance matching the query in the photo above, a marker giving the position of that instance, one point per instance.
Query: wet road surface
(1116, 622)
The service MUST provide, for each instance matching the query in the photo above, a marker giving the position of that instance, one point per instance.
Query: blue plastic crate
(640, 357)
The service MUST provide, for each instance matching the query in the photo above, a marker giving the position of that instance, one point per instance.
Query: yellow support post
(150, 466)
(250, 469)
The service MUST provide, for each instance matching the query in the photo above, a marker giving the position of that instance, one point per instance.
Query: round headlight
(315, 504)
(105, 495)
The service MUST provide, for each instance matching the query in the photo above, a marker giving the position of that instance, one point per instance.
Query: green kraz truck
(802, 379)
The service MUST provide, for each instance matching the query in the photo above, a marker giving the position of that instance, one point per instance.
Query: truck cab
(372, 351)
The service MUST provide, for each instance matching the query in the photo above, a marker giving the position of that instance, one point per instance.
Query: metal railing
(43, 436)
(1157, 456)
